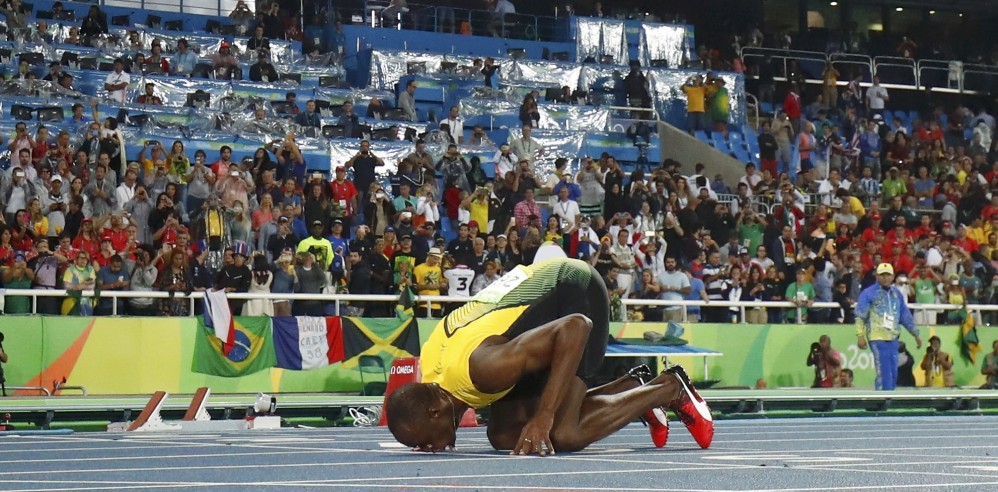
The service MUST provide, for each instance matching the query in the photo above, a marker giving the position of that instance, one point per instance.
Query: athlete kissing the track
(524, 347)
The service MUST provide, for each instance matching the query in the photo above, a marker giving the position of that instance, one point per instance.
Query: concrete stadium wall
(681, 146)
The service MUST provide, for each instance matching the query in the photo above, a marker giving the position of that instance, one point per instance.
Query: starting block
(196, 418)
(406, 370)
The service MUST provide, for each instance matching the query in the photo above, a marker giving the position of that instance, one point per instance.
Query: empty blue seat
(750, 136)
(735, 137)
(718, 139)
(913, 115)
(701, 136)
(741, 155)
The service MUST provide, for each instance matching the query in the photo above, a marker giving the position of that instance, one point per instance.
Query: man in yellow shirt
(523, 346)
(430, 279)
(696, 104)
(978, 230)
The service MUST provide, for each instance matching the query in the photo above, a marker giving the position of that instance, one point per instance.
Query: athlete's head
(421, 416)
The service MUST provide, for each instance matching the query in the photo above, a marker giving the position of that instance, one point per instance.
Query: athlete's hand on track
(536, 437)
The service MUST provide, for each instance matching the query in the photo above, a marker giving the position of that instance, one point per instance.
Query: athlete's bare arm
(499, 364)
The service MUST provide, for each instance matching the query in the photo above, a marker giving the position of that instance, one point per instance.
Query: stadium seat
(718, 140)
(701, 136)
(741, 155)
(737, 140)
(751, 137)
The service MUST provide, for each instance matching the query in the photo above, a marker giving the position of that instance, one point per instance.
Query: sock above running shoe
(656, 418)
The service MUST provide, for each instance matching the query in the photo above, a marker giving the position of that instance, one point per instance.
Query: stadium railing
(424, 302)
(894, 72)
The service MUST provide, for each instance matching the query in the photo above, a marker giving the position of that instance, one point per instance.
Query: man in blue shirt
(869, 147)
(184, 60)
(698, 292)
(880, 309)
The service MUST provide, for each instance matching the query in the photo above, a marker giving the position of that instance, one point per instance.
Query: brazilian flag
(969, 342)
(253, 350)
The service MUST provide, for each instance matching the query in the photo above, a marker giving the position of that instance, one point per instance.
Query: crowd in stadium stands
(176, 219)
(918, 194)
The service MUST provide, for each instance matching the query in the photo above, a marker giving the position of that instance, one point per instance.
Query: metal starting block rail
(196, 418)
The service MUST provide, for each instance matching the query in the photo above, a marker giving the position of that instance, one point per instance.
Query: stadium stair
(690, 150)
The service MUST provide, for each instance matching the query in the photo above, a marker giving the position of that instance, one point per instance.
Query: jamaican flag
(969, 342)
(405, 307)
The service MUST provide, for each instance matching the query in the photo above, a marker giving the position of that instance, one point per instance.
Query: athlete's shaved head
(419, 418)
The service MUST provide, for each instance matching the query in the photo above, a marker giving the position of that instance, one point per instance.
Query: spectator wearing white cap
(505, 160)
(54, 206)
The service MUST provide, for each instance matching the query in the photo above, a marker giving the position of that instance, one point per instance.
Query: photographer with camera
(989, 367)
(364, 163)
(938, 366)
(3, 360)
(826, 361)
(696, 104)
(453, 166)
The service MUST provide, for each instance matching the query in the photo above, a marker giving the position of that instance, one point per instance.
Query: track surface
(853, 453)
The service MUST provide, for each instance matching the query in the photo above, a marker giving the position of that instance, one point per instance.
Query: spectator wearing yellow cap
(880, 311)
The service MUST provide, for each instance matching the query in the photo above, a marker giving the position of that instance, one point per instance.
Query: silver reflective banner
(597, 38)
(542, 73)
(670, 43)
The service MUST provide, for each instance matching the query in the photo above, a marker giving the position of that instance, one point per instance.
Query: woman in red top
(87, 239)
(41, 147)
(103, 257)
(264, 214)
(156, 57)
(23, 234)
(117, 234)
(6, 249)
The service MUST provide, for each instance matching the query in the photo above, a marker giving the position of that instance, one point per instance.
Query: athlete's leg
(582, 418)
(619, 385)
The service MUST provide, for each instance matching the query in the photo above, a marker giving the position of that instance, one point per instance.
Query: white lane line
(981, 468)
(205, 466)
(788, 458)
(481, 487)
(104, 448)
(393, 481)
(922, 486)
(122, 487)
(911, 463)
(909, 473)
(186, 456)
(857, 438)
